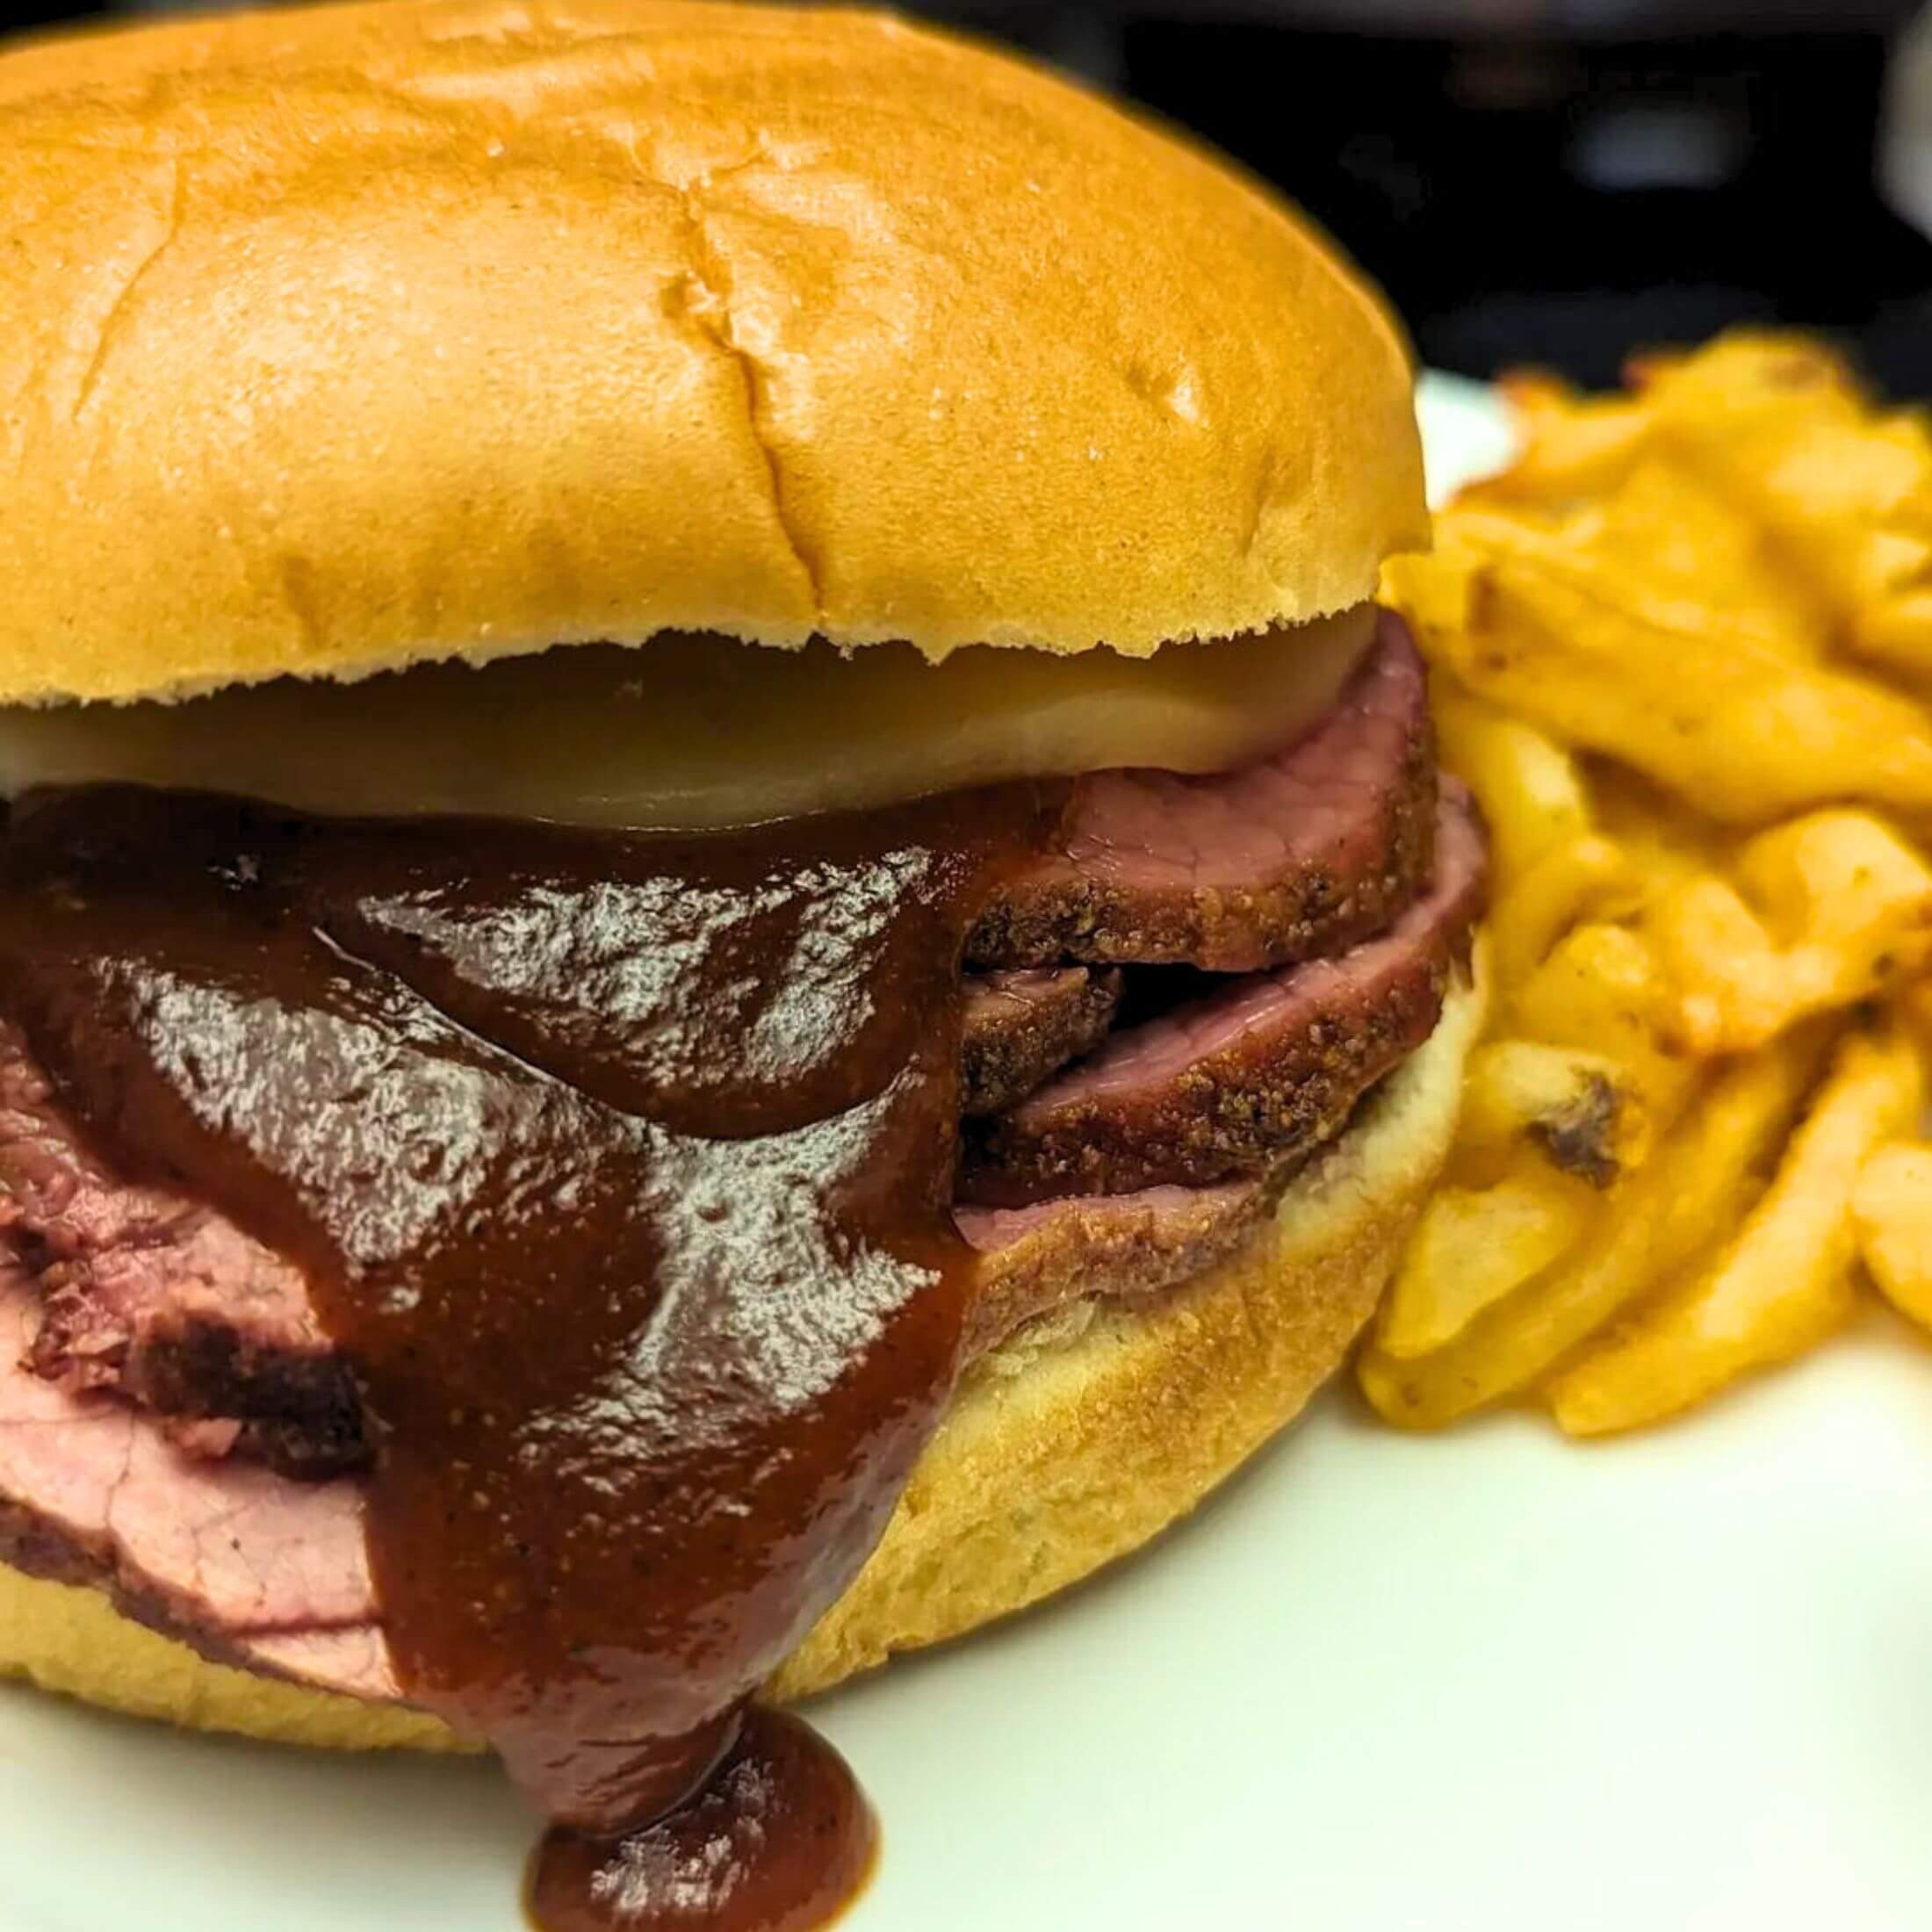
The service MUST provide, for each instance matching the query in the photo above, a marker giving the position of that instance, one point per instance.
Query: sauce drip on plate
(780, 1838)
(620, 1168)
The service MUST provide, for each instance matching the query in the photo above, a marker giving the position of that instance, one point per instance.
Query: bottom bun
(1074, 1442)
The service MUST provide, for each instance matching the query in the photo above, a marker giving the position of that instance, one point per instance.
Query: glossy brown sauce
(780, 1838)
(620, 1167)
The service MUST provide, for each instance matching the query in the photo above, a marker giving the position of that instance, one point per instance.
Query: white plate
(1484, 1680)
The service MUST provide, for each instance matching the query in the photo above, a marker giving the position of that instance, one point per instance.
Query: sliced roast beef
(1021, 1027)
(163, 1300)
(1119, 1245)
(229, 1553)
(1298, 856)
(255, 1569)
(151, 1297)
(170, 1304)
(1261, 1070)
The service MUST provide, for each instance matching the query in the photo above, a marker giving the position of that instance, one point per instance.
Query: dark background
(1554, 181)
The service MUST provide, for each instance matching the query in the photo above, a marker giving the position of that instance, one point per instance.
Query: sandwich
(727, 936)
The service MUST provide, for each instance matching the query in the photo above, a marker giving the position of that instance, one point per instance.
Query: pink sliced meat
(164, 1377)
(256, 1569)
(229, 1554)
(1122, 1246)
(1295, 856)
(163, 1298)
(1262, 1069)
(1020, 1026)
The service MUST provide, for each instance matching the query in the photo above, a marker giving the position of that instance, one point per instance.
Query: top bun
(341, 338)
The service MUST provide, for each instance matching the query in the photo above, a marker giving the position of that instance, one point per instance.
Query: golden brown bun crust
(1066, 1448)
(344, 337)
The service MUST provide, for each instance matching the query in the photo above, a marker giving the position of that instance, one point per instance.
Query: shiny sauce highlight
(620, 1170)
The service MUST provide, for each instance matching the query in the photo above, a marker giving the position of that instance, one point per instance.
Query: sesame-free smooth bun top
(344, 337)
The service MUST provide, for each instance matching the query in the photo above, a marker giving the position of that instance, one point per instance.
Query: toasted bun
(1068, 1447)
(337, 339)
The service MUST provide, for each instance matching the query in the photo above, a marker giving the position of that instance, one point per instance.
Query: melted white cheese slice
(699, 732)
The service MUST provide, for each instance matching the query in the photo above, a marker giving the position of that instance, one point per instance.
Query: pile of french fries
(1683, 653)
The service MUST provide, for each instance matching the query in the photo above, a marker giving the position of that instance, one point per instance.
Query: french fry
(1780, 1287)
(1602, 990)
(1538, 622)
(1670, 1208)
(1529, 788)
(1913, 1004)
(1571, 882)
(1646, 636)
(1841, 908)
(1663, 838)
(1685, 543)
(1730, 976)
(1892, 1208)
(1582, 1112)
(1844, 880)
(1573, 445)
(1895, 630)
(1475, 1245)
(1779, 423)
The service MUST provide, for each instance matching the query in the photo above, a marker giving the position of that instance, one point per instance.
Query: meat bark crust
(1259, 1071)
(250, 1568)
(1292, 858)
(1021, 1027)
(165, 1302)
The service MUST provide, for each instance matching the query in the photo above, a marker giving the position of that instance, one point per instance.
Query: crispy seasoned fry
(1475, 1245)
(1778, 422)
(1570, 883)
(1530, 790)
(1896, 631)
(1714, 840)
(1662, 836)
(1782, 1285)
(1840, 907)
(1545, 623)
(1573, 445)
(1891, 1208)
(1679, 544)
(1913, 1004)
(1583, 1112)
(1674, 1206)
(1601, 990)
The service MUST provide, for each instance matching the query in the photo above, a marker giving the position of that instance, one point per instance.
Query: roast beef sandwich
(727, 938)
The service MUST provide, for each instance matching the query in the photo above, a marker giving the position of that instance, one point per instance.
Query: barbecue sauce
(620, 1170)
(779, 1838)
